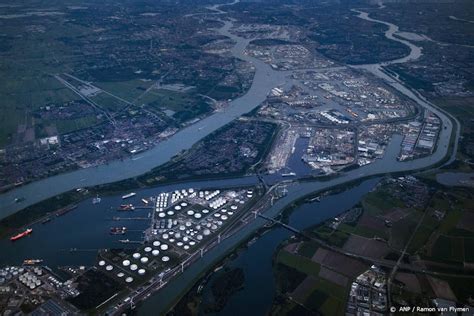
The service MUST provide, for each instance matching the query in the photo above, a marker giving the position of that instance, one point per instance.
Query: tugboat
(118, 230)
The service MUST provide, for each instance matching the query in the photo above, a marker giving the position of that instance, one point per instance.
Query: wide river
(256, 261)
(97, 217)
(264, 80)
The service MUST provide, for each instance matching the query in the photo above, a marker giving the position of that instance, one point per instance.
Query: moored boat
(118, 230)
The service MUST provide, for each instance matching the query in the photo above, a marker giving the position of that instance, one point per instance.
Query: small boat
(96, 200)
(31, 262)
(126, 207)
(118, 230)
(145, 201)
(19, 199)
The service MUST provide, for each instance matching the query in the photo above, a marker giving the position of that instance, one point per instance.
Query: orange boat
(21, 235)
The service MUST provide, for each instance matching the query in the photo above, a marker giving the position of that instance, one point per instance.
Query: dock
(130, 218)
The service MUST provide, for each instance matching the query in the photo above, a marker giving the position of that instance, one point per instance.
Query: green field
(448, 249)
(328, 298)
(301, 264)
(67, 126)
(380, 201)
(323, 296)
(127, 90)
(26, 69)
(307, 249)
(21, 96)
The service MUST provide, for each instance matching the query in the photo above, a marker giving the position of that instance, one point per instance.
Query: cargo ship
(126, 207)
(126, 196)
(21, 235)
(118, 230)
(31, 262)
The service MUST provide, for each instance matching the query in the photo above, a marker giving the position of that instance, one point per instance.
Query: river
(70, 227)
(258, 293)
(259, 288)
(415, 53)
(264, 80)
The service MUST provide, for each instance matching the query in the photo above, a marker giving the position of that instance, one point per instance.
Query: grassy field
(299, 263)
(22, 95)
(321, 295)
(378, 202)
(307, 249)
(447, 248)
(67, 126)
(328, 298)
(26, 69)
(335, 237)
(461, 107)
(127, 90)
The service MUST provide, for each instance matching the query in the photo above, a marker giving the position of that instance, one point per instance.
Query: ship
(31, 262)
(289, 174)
(19, 199)
(126, 207)
(126, 196)
(21, 235)
(96, 200)
(118, 230)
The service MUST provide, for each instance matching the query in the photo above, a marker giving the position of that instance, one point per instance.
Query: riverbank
(255, 255)
(446, 150)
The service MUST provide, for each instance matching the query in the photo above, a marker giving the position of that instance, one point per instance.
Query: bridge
(274, 221)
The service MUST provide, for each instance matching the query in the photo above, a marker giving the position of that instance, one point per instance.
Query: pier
(130, 218)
